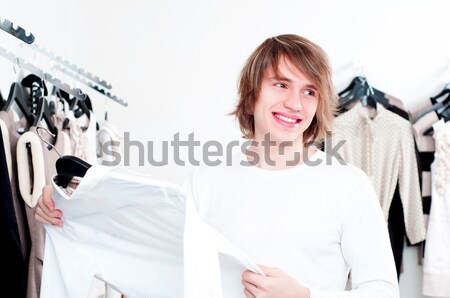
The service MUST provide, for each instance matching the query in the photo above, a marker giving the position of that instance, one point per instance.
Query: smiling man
(308, 225)
(316, 223)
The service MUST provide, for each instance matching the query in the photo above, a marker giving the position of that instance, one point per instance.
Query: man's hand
(45, 211)
(276, 284)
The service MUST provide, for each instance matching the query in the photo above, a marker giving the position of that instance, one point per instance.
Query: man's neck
(279, 156)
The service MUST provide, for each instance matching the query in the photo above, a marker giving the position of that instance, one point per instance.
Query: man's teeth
(284, 118)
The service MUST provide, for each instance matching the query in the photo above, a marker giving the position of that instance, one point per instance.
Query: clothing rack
(62, 65)
(18, 32)
(78, 70)
(92, 86)
(43, 75)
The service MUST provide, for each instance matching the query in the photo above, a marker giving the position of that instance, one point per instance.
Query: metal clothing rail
(63, 65)
(43, 75)
(92, 86)
(16, 31)
(78, 70)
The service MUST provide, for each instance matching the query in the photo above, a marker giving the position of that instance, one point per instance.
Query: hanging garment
(436, 267)
(35, 167)
(88, 146)
(13, 284)
(12, 127)
(141, 235)
(426, 148)
(108, 145)
(381, 143)
(81, 131)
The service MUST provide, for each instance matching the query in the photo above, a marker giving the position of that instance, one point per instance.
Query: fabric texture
(381, 144)
(108, 145)
(141, 235)
(30, 189)
(13, 129)
(14, 282)
(436, 267)
(316, 223)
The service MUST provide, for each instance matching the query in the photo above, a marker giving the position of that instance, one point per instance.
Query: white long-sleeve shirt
(313, 222)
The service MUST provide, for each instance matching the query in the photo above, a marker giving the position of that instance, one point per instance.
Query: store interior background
(177, 62)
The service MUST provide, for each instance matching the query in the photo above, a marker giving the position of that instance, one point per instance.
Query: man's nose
(294, 101)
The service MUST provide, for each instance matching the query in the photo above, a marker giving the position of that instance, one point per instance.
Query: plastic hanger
(31, 79)
(43, 112)
(16, 95)
(434, 107)
(79, 107)
(67, 166)
(444, 91)
(444, 114)
(365, 93)
(354, 89)
(2, 101)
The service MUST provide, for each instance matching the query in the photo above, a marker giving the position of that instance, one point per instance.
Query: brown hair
(310, 59)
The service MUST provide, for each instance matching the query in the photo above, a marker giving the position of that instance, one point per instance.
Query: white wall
(176, 62)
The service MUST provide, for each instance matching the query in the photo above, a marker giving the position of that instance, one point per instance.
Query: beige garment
(36, 228)
(108, 145)
(13, 129)
(82, 132)
(381, 143)
(436, 267)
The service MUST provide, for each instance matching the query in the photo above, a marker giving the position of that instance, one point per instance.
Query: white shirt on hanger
(141, 235)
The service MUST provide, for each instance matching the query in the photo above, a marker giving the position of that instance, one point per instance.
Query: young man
(296, 208)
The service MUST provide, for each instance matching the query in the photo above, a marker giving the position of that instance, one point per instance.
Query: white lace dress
(436, 275)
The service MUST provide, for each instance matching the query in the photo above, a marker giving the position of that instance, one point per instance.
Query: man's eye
(281, 85)
(310, 92)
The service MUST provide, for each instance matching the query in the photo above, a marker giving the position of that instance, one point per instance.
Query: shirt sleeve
(410, 191)
(366, 248)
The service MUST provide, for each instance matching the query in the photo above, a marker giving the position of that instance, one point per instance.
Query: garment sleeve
(366, 248)
(410, 191)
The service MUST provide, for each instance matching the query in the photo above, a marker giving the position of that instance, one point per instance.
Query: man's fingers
(47, 197)
(251, 287)
(41, 216)
(248, 294)
(46, 203)
(269, 271)
(251, 277)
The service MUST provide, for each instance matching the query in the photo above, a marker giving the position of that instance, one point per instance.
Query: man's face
(286, 105)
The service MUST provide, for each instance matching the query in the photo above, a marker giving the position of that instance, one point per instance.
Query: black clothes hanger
(36, 86)
(446, 90)
(79, 107)
(444, 114)
(365, 93)
(2, 101)
(68, 166)
(351, 87)
(16, 95)
(33, 79)
(436, 106)
(43, 112)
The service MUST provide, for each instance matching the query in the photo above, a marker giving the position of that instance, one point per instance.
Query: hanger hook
(50, 146)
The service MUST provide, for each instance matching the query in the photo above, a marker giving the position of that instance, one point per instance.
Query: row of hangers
(359, 90)
(36, 108)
